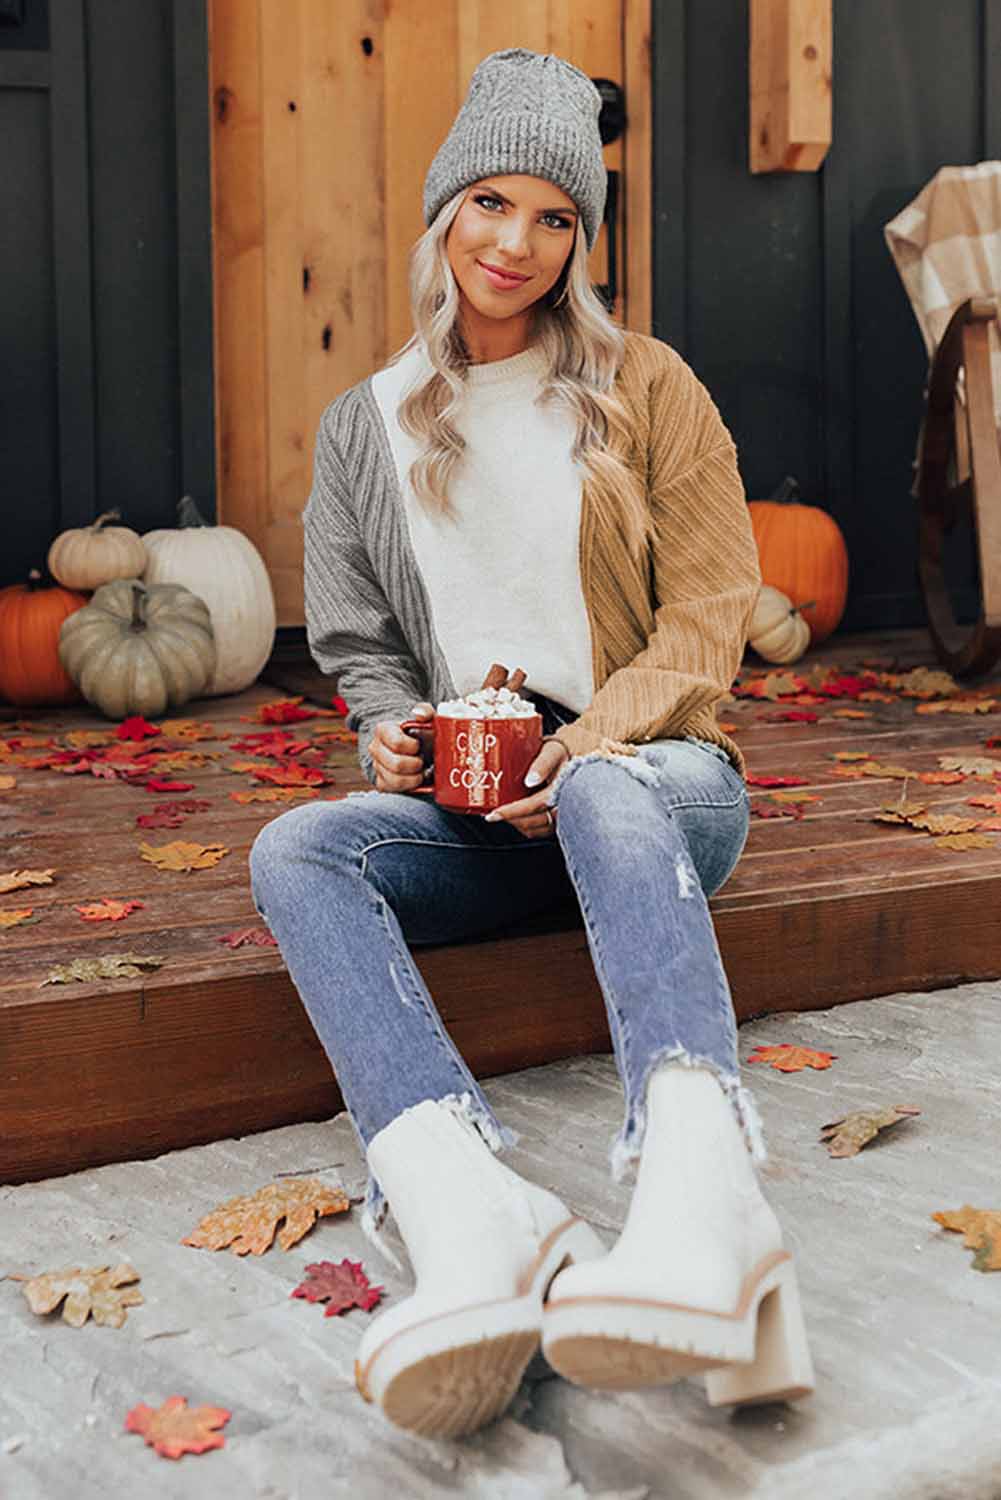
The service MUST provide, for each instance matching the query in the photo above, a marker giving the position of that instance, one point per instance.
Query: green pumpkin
(138, 648)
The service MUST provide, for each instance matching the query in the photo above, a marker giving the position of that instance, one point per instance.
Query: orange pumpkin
(802, 554)
(31, 615)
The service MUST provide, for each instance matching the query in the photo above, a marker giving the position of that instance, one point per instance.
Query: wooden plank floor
(828, 908)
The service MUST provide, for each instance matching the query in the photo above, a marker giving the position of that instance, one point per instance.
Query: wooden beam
(790, 84)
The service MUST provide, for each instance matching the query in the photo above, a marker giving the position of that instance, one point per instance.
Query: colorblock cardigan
(668, 630)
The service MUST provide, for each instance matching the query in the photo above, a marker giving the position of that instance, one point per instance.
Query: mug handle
(414, 726)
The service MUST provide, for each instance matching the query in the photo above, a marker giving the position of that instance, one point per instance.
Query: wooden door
(326, 115)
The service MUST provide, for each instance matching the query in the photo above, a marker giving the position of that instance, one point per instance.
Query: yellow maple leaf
(15, 918)
(944, 823)
(16, 880)
(7, 783)
(183, 856)
(964, 841)
(851, 755)
(275, 794)
(187, 729)
(850, 713)
(247, 1224)
(984, 767)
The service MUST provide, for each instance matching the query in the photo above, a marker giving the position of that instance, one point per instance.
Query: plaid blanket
(946, 246)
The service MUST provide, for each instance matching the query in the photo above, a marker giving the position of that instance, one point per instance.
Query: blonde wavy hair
(583, 347)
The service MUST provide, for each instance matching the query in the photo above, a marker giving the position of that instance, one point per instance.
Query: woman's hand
(399, 766)
(532, 816)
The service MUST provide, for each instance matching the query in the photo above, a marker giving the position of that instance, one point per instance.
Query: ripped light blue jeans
(347, 887)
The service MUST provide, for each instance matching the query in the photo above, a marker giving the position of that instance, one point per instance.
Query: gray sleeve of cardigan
(350, 627)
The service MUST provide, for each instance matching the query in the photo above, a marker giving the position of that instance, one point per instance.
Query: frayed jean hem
(627, 1145)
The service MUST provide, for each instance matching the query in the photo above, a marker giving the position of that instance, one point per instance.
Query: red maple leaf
(272, 742)
(171, 814)
(158, 784)
(339, 706)
(848, 686)
(285, 711)
(135, 727)
(259, 936)
(777, 810)
(175, 1427)
(754, 780)
(341, 1284)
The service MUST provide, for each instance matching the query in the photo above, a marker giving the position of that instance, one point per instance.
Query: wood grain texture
(819, 911)
(790, 84)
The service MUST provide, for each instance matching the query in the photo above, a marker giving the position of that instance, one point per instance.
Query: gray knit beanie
(525, 112)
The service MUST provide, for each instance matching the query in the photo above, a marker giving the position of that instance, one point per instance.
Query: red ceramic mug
(479, 764)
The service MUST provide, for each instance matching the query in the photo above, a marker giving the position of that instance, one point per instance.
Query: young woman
(525, 483)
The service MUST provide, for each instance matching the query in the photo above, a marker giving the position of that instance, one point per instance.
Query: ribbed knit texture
(667, 640)
(531, 113)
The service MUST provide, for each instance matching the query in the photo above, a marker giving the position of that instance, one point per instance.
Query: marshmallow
(488, 703)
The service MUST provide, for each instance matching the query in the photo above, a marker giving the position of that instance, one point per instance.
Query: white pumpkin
(87, 556)
(777, 630)
(223, 567)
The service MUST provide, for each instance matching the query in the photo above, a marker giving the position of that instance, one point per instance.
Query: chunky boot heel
(782, 1369)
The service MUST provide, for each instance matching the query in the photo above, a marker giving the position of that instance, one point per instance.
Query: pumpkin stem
(788, 491)
(105, 516)
(799, 608)
(34, 580)
(138, 621)
(188, 513)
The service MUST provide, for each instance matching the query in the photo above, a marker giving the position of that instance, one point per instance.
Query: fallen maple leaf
(83, 739)
(769, 809)
(957, 706)
(340, 707)
(846, 1136)
(922, 682)
(7, 783)
(247, 1224)
(135, 727)
(158, 784)
(989, 825)
(789, 1059)
(341, 1284)
(171, 814)
(850, 713)
(872, 696)
(721, 724)
(274, 794)
(17, 880)
(795, 797)
(15, 918)
(899, 812)
(182, 856)
(100, 1292)
(188, 729)
(943, 823)
(176, 1428)
(107, 909)
(283, 711)
(293, 775)
(972, 765)
(981, 1231)
(848, 755)
(994, 803)
(940, 778)
(111, 966)
(965, 841)
(754, 780)
(260, 936)
(994, 743)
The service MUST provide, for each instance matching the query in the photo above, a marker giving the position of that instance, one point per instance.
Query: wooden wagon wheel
(976, 501)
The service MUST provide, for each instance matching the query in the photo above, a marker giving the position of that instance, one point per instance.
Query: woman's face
(524, 225)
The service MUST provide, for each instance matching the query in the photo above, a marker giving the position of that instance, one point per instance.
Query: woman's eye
(561, 223)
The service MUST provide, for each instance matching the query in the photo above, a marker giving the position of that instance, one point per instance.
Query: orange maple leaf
(789, 1059)
(293, 775)
(175, 1427)
(107, 909)
(850, 713)
(15, 918)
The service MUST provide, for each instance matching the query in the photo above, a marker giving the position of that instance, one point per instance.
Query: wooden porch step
(826, 909)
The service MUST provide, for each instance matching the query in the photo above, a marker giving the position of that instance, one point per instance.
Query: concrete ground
(906, 1337)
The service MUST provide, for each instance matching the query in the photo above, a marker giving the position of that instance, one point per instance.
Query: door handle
(611, 123)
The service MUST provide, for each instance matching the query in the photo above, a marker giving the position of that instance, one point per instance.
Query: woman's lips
(499, 280)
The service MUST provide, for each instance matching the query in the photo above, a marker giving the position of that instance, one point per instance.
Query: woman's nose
(513, 239)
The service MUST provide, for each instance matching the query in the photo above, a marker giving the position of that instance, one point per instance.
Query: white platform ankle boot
(698, 1279)
(484, 1245)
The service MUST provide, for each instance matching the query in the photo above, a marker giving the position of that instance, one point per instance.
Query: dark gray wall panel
(135, 258)
(28, 430)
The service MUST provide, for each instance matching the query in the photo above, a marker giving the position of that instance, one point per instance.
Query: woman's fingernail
(533, 778)
(492, 817)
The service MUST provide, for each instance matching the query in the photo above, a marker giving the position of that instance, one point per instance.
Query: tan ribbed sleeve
(705, 575)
